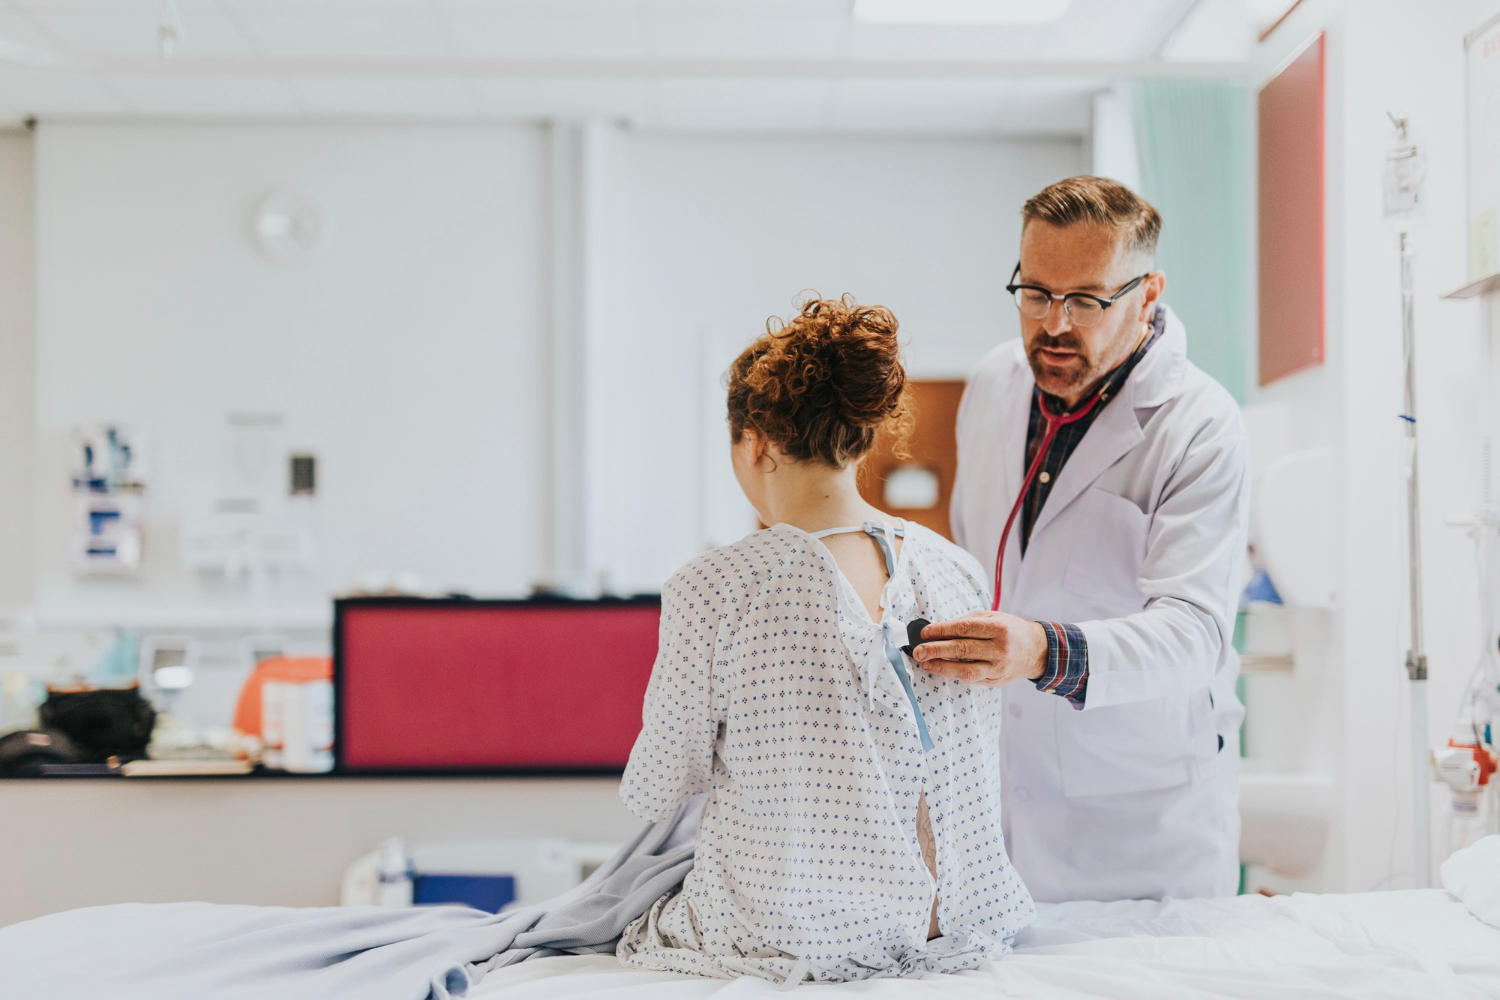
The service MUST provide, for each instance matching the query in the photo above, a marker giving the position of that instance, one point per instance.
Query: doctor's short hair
(1098, 201)
(822, 383)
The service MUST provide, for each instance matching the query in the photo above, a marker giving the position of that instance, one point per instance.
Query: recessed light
(959, 11)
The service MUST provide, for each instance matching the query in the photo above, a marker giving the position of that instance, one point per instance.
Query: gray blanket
(203, 951)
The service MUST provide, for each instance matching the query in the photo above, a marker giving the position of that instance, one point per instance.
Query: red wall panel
(474, 685)
(1291, 200)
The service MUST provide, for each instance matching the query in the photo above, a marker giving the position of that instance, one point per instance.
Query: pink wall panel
(492, 685)
(1291, 217)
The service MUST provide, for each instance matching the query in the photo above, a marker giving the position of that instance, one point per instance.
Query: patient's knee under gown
(773, 692)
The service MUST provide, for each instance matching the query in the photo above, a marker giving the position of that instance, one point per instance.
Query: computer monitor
(455, 686)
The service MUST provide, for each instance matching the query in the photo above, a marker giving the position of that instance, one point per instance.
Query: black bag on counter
(101, 722)
(29, 751)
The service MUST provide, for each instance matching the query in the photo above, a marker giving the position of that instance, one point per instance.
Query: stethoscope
(1055, 422)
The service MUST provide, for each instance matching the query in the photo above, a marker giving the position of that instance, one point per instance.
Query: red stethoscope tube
(1055, 422)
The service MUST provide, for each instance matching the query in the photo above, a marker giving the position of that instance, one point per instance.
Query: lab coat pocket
(1109, 546)
(1118, 749)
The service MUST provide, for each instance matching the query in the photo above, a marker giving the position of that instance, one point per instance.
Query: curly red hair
(822, 383)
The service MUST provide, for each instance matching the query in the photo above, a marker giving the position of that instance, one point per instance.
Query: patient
(852, 824)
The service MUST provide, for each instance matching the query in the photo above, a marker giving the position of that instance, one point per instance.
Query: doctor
(1105, 479)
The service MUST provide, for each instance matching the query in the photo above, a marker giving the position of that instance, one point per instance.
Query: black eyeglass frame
(1104, 303)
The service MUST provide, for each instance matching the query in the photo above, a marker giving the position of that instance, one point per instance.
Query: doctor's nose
(1057, 319)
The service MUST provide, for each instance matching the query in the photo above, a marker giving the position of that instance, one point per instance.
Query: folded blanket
(1473, 875)
(203, 951)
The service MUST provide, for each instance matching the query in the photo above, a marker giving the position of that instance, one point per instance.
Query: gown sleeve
(673, 756)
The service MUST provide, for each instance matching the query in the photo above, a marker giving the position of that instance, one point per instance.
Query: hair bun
(819, 384)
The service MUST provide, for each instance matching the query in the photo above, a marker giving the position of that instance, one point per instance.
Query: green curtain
(1193, 140)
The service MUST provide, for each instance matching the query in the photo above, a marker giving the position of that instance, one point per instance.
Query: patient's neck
(813, 496)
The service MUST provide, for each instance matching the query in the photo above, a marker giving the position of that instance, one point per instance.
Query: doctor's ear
(1154, 284)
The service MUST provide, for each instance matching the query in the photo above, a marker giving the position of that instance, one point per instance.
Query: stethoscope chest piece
(914, 636)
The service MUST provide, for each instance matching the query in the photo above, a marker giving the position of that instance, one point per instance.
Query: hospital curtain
(1193, 139)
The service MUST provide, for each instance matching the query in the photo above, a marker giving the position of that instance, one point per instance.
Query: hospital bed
(1412, 945)
(1432, 944)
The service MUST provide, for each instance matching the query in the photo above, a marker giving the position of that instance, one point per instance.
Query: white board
(1482, 48)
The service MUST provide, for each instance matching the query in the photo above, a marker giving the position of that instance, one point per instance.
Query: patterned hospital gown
(772, 692)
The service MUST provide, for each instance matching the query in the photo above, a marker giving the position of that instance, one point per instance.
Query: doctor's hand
(984, 647)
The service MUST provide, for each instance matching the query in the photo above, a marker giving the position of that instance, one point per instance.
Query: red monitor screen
(503, 686)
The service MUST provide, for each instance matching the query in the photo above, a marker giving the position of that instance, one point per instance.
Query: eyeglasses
(1081, 307)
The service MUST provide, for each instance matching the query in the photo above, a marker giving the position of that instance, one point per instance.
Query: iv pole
(1416, 658)
(1403, 197)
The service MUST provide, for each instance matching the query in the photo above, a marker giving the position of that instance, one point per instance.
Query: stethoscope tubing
(1055, 422)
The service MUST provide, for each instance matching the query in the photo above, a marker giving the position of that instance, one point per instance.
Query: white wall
(1112, 148)
(404, 354)
(17, 347)
(408, 352)
(1386, 55)
(274, 842)
(707, 237)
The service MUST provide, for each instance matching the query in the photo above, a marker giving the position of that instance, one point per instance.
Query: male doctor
(1122, 470)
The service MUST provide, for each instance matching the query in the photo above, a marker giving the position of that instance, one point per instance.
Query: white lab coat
(1140, 544)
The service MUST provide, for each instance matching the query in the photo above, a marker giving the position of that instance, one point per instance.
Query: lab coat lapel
(1015, 416)
(1015, 413)
(1111, 437)
(1117, 429)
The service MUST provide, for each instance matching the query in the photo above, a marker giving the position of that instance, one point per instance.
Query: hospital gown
(773, 692)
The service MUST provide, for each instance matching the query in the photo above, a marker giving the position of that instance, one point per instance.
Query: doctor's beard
(1077, 375)
(1061, 377)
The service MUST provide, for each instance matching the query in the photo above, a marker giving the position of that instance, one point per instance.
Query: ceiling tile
(1110, 30)
(772, 11)
(17, 27)
(202, 97)
(315, 32)
(498, 32)
(208, 33)
(374, 8)
(590, 29)
(706, 34)
(1090, 30)
(926, 41)
(425, 97)
(150, 7)
(1213, 30)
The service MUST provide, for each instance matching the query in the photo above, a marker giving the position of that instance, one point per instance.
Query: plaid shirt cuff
(1067, 671)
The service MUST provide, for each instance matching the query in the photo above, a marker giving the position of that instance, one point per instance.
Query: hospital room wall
(1381, 56)
(17, 348)
(402, 353)
(410, 353)
(705, 237)
(154, 307)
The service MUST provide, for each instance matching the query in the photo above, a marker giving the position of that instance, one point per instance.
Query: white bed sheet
(1416, 945)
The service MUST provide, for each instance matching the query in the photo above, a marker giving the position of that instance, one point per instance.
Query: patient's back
(810, 751)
